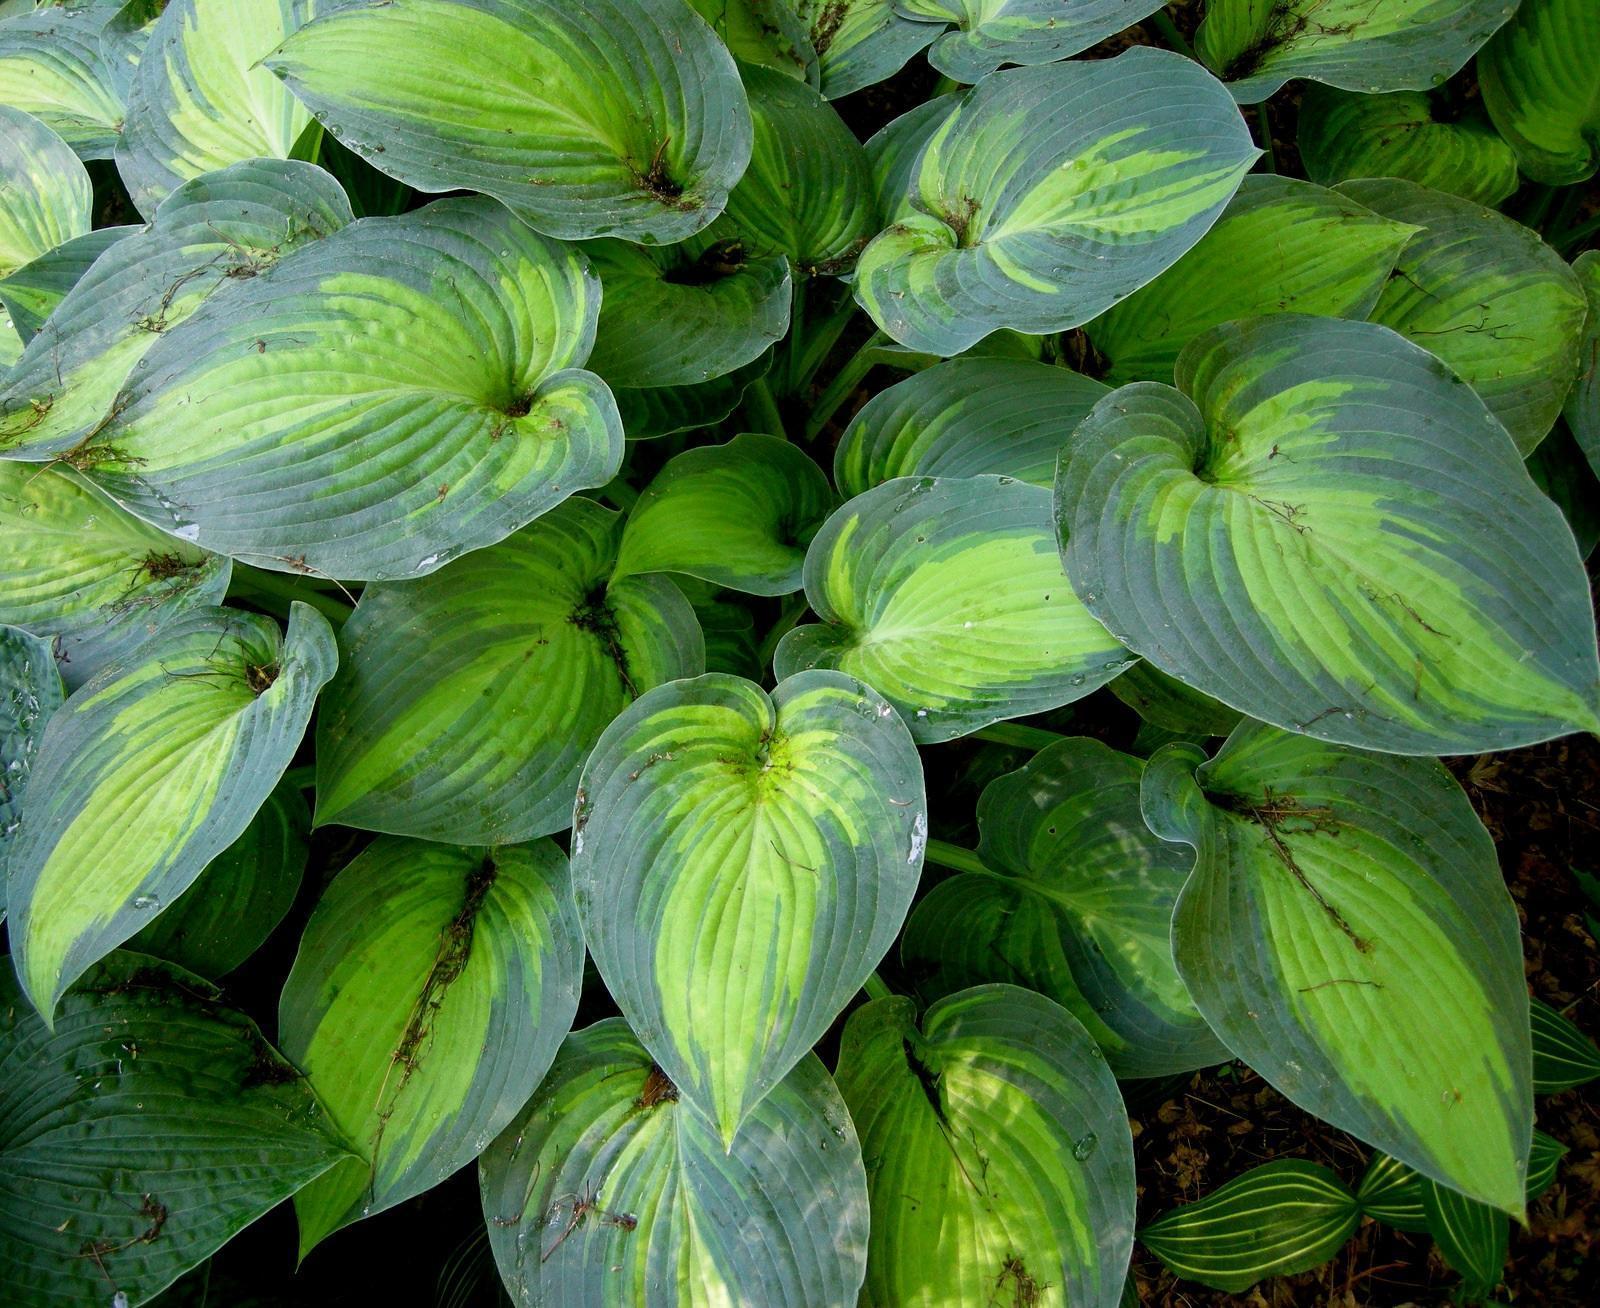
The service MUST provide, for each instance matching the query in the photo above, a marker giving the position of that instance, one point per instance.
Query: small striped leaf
(1283, 1217)
(999, 1163)
(1541, 87)
(30, 692)
(1405, 134)
(988, 33)
(1076, 903)
(1342, 902)
(1582, 410)
(432, 989)
(404, 391)
(741, 862)
(609, 1191)
(860, 42)
(53, 66)
(87, 575)
(1281, 246)
(234, 905)
(1050, 193)
(212, 236)
(146, 774)
(610, 118)
(1544, 1161)
(966, 418)
(1323, 528)
(1563, 1056)
(31, 293)
(466, 701)
(45, 196)
(768, 33)
(1397, 45)
(1473, 1237)
(200, 100)
(944, 595)
(1390, 1192)
(1488, 297)
(1166, 703)
(140, 1134)
(739, 515)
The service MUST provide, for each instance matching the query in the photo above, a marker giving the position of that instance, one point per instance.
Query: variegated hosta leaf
(894, 151)
(808, 191)
(740, 515)
(1280, 246)
(467, 701)
(1324, 528)
(229, 912)
(1283, 1217)
(52, 65)
(404, 391)
(213, 234)
(1076, 903)
(125, 36)
(200, 100)
(146, 774)
(610, 118)
(1395, 45)
(1488, 297)
(1541, 86)
(1051, 193)
(88, 576)
(988, 33)
(30, 692)
(683, 314)
(140, 1135)
(1404, 134)
(45, 196)
(31, 293)
(944, 594)
(1473, 1237)
(1166, 703)
(999, 1163)
(431, 991)
(1563, 1056)
(769, 33)
(1560, 470)
(860, 42)
(1582, 410)
(1341, 903)
(609, 1191)
(652, 411)
(966, 418)
(787, 831)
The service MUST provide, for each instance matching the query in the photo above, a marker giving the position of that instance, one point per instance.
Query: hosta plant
(738, 614)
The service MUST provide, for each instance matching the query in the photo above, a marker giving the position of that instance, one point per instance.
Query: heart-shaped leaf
(788, 830)
(53, 66)
(1000, 1168)
(31, 293)
(467, 701)
(944, 595)
(1049, 194)
(609, 1191)
(392, 396)
(1324, 528)
(146, 774)
(30, 691)
(860, 42)
(611, 118)
(988, 33)
(432, 989)
(45, 196)
(1582, 410)
(1342, 902)
(1543, 91)
(140, 1135)
(1166, 703)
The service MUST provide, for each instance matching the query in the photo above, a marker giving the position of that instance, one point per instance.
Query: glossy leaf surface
(1542, 88)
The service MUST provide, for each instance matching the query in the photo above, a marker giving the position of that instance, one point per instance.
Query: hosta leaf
(431, 991)
(1391, 1192)
(860, 42)
(45, 196)
(1398, 45)
(965, 418)
(140, 1135)
(786, 830)
(943, 594)
(1280, 246)
(31, 293)
(1559, 469)
(1051, 193)
(1542, 88)
(1342, 902)
(1284, 1217)
(200, 99)
(394, 395)
(1582, 410)
(467, 701)
(125, 36)
(686, 313)
(1076, 903)
(611, 118)
(728, 626)
(89, 576)
(770, 33)
(894, 151)
(989, 33)
(212, 235)
(1563, 1056)
(30, 691)
(228, 913)
(649, 412)
(52, 65)
(611, 1192)
(1405, 134)
(1000, 1167)
(149, 772)
(1488, 297)
(740, 515)
(1473, 1237)
(1167, 703)
(1325, 529)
